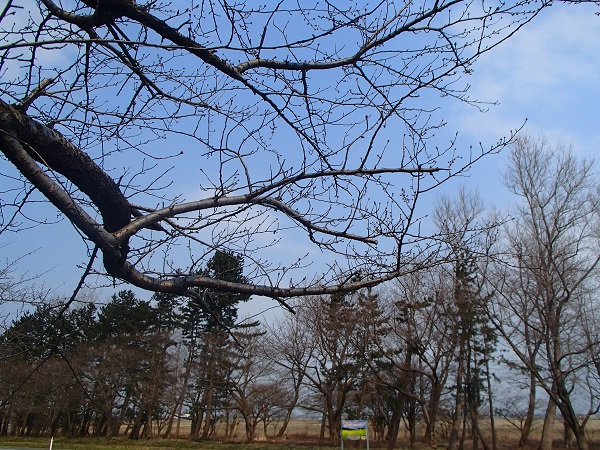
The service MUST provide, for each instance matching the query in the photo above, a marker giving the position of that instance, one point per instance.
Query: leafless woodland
(298, 143)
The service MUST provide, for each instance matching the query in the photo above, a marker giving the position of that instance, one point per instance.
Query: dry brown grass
(302, 434)
(306, 432)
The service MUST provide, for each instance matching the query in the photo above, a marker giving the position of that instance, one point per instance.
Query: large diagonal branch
(51, 148)
(114, 261)
(27, 143)
(18, 151)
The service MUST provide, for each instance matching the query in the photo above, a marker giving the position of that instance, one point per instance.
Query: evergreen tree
(125, 314)
(222, 306)
(167, 309)
(208, 331)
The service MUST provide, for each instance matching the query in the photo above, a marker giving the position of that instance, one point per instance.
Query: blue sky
(548, 74)
(548, 77)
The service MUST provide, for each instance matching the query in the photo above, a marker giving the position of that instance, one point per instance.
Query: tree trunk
(207, 402)
(285, 423)
(458, 410)
(526, 430)
(463, 434)
(231, 423)
(177, 407)
(116, 427)
(322, 431)
(548, 430)
(569, 416)
(288, 413)
(250, 426)
(411, 419)
(178, 426)
(208, 397)
(477, 433)
(137, 425)
(434, 401)
(197, 425)
(167, 433)
(334, 420)
(567, 435)
(148, 430)
(580, 438)
(394, 426)
(491, 404)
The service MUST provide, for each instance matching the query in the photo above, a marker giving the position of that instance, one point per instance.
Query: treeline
(130, 362)
(505, 324)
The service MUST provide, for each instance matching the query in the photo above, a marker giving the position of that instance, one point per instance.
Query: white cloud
(549, 57)
(548, 74)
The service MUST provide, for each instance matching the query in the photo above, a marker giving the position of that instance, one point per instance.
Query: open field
(307, 432)
(126, 444)
(301, 434)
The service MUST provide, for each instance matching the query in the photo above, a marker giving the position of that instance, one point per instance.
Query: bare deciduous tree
(216, 125)
(555, 247)
(470, 239)
(422, 327)
(340, 327)
(290, 347)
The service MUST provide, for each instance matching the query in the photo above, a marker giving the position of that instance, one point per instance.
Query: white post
(51, 440)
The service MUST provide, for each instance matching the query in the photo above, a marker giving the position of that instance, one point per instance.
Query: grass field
(155, 444)
(301, 434)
